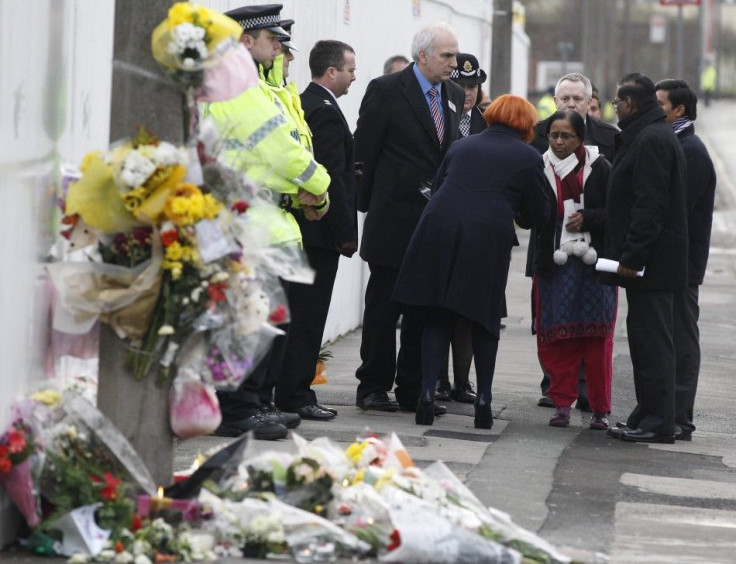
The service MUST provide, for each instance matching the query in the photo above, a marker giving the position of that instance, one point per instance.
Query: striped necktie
(437, 116)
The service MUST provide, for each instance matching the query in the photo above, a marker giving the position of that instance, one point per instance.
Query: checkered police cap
(263, 16)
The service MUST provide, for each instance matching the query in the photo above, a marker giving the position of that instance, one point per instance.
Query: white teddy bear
(576, 244)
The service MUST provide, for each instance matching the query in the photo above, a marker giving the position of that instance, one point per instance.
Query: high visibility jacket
(546, 107)
(708, 79)
(288, 95)
(258, 140)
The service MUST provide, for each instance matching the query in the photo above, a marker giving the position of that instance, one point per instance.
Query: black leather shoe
(683, 434)
(263, 428)
(621, 425)
(642, 436)
(583, 405)
(438, 409)
(288, 420)
(333, 411)
(443, 392)
(483, 415)
(464, 392)
(616, 432)
(378, 401)
(425, 410)
(315, 413)
(545, 401)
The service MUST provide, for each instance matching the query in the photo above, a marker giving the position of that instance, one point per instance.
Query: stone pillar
(141, 95)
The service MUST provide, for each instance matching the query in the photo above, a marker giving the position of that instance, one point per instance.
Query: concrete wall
(55, 64)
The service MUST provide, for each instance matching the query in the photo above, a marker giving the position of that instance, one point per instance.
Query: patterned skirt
(571, 303)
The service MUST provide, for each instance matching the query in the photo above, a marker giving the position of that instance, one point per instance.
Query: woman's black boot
(483, 415)
(425, 410)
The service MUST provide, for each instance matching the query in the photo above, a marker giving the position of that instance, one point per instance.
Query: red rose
(168, 237)
(110, 491)
(395, 540)
(5, 465)
(216, 291)
(278, 315)
(240, 206)
(16, 442)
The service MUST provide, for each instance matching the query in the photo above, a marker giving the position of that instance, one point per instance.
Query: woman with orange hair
(457, 261)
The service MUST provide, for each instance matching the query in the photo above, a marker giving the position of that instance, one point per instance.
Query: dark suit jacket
(701, 188)
(397, 141)
(597, 133)
(333, 148)
(477, 121)
(646, 208)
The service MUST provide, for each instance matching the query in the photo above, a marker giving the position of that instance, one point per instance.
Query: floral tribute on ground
(317, 502)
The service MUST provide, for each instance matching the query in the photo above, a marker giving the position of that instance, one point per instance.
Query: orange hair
(514, 112)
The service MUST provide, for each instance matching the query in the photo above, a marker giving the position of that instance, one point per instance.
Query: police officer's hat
(263, 16)
(468, 70)
(286, 39)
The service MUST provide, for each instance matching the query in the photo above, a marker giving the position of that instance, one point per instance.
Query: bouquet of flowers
(17, 445)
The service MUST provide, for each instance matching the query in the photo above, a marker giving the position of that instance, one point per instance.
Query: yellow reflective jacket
(288, 95)
(260, 140)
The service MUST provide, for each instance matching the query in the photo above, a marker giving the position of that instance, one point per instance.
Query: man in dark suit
(647, 232)
(332, 64)
(407, 120)
(573, 92)
(680, 105)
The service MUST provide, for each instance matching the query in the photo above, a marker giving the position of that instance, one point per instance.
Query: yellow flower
(47, 397)
(359, 477)
(355, 451)
(166, 330)
(175, 252)
(186, 12)
(211, 207)
(134, 198)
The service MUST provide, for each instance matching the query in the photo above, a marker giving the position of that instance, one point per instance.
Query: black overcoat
(701, 187)
(543, 240)
(333, 148)
(396, 140)
(646, 215)
(459, 255)
(477, 121)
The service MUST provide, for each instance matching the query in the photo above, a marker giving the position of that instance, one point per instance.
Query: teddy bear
(575, 244)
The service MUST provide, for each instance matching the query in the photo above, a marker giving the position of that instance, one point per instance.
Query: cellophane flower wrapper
(427, 536)
(252, 230)
(19, 486)
(465, 506)
(75, 414)
(235, 73)
(191, 39)
(90, 291)
(193, 409)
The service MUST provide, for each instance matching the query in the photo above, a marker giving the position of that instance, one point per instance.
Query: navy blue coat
(701, 188)
(458, 257)
(646, 215)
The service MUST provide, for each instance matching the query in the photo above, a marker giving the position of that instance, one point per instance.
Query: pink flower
(278, 315)
(16, 442)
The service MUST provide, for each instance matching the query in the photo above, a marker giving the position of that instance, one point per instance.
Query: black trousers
(687, 351)
(650, 326)
(257, 390)
(380, 365)
(310, 304)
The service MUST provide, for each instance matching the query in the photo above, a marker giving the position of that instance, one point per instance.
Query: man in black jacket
(646, 232)
(332, 64)
(680, 104)
(407, 120)
(573, 92)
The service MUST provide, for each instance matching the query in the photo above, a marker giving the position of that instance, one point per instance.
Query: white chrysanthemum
(124, 557)
(188, 40)
(142, 559)
(168, 154)
(136, 169)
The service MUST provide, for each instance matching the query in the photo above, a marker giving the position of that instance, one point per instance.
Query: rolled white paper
(608, 265)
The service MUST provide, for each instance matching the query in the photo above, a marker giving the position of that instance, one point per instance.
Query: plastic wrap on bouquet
(18, 484)
(193, 409)
(123, 297)
(466, 505)
(254, 230)
(104, 437)
(80, 533)
(234, 75)
(428, 537)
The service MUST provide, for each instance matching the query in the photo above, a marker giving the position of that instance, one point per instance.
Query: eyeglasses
(616, 102)
(564, 136)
